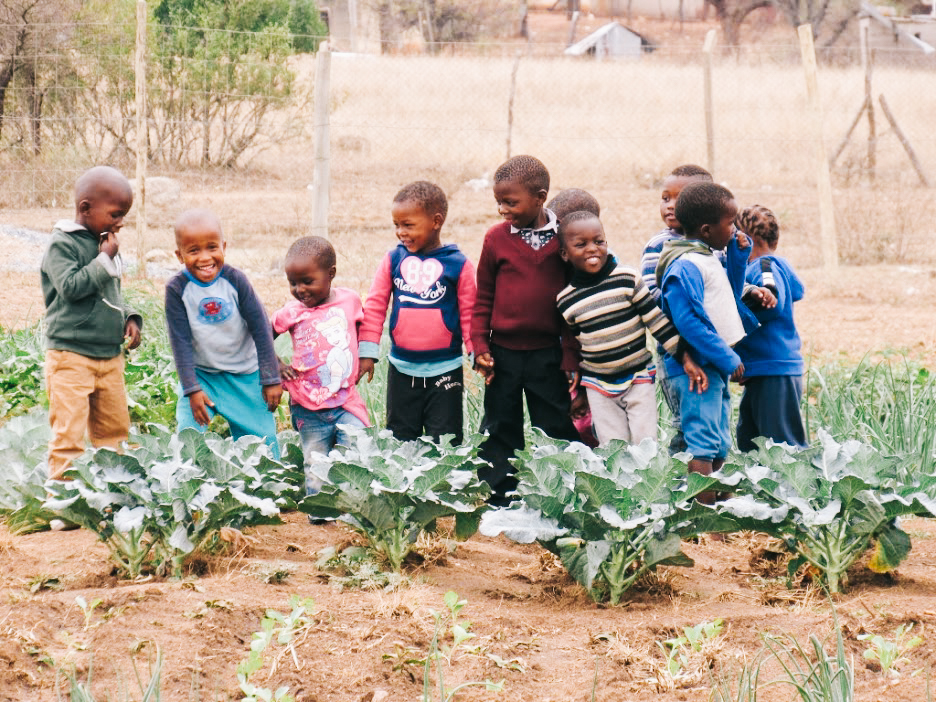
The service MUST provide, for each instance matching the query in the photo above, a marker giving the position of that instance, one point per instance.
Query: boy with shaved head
(87, 321)
(221, 337)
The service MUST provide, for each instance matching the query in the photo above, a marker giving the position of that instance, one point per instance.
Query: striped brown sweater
(610, 313)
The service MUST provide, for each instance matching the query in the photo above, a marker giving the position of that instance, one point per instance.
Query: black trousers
(538, 375)
(425, 406)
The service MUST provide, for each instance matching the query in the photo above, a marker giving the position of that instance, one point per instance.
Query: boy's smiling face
(517, 205)
(416, 229)
(201, 249)
(584, 245)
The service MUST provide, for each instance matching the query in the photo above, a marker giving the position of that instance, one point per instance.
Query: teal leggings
(237, 398)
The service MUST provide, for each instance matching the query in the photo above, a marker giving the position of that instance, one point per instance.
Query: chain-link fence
(229, 122)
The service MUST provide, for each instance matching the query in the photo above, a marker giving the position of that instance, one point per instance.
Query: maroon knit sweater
(516, 302)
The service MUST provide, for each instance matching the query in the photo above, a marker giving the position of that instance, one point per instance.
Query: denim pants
(319, 432)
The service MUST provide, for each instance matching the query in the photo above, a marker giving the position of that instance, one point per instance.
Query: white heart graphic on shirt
(420, 274)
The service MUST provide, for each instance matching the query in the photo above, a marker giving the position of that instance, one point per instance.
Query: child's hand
(287, 372)
(738, 373)
(366, 367)
(579, 405)
(272, 395)
(132, 333)
(484, 364)
(744, 242)
(574, 378)
(764, 296)
(109, 244)
(698, 380)
(199, 402)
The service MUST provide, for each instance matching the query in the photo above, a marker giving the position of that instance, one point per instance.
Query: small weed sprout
(288, 630)
(687, 655)
(890, 655)
(87, 609)
(447, 624)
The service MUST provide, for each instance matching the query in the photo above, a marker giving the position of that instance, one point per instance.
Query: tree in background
(817, 13)
(217, 70)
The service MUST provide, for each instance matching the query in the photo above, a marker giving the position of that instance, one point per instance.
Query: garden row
(609, 514)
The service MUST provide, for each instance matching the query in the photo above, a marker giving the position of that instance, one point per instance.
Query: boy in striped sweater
(609, 309)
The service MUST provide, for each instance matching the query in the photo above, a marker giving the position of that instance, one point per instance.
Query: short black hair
(528, 171)
(701, 202)
(102, 181)
(759, 223)
(576, 216)
(314, 247)
(690, 170)
(429, 196)
(574, 200)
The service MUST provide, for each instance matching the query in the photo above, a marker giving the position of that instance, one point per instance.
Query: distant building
(614, 41)
(890, 32)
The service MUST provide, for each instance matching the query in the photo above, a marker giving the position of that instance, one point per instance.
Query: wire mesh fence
(229, 120)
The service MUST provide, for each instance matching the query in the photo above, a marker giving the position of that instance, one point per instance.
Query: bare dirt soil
(526, 614)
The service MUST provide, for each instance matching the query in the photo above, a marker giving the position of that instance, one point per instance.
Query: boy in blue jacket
(773, 364)
(703, 299)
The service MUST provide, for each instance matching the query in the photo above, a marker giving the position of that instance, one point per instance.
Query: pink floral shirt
(325, 352)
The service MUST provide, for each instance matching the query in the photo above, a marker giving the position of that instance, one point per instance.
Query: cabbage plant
(171, 495)
(611, 514)
(390, 490)
(828, 504)
(23, 471)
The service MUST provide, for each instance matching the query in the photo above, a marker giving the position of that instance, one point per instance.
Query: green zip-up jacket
(85, 312)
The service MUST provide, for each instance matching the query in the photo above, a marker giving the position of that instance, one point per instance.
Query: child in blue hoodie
(703, 299)
(773, 364)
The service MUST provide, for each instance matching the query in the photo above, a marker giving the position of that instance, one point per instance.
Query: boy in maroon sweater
(516, 327)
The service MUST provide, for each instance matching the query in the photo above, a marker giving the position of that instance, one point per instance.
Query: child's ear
(438, 219)
(332, 272)
(178, 255)
(564, 254)
(84, 206)
(541, 195)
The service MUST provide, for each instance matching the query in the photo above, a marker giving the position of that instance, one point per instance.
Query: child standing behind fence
(220, 336)
(323, 322)
(432, 287)
(609, 309)
(87, 320)
(516, 327)
(773, 364)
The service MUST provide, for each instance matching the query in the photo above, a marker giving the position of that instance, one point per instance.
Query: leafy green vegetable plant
(890, 655)
(390, 490)
(610, 514)
(21, 377)
(171, 495)
(23, 446)
(828, 504)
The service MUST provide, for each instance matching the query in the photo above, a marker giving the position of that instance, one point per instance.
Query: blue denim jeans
(319, 432)
(706, 417)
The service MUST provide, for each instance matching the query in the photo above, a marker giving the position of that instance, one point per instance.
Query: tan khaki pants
(84, 393)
